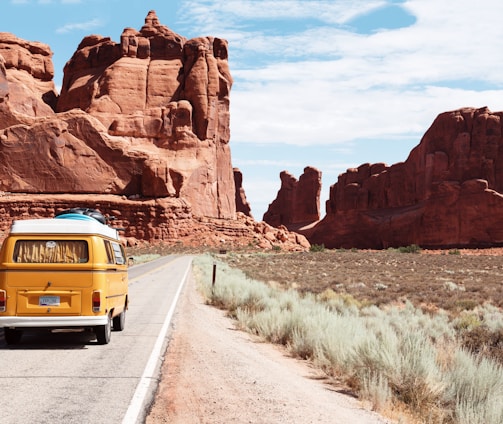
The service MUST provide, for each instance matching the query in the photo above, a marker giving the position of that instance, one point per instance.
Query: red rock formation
(27, 90)
(148, 117)
(297, 202)
(166, 221)
(448, 193)
(140, 131)
(242, 204)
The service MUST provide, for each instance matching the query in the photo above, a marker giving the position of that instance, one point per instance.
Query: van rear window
(51, 251)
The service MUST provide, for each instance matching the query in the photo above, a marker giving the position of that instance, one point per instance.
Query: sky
(326, 83)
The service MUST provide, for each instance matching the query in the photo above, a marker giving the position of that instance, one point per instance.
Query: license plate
(48, 301)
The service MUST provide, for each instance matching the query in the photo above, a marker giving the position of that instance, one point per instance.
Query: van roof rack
(63, 225)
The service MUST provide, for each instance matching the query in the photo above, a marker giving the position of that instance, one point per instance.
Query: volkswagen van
(64, 272)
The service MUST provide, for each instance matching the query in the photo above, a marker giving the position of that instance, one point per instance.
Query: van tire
(104, 332)
(120, 321)
(12, 335)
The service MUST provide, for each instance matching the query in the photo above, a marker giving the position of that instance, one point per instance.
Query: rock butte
(297, 202)
(448, 193)
(139, 131)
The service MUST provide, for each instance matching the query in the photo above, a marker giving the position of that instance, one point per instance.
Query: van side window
(120, 257)
(110, 252)
(51, 251)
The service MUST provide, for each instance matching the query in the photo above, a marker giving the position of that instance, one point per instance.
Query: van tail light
(3, 300)
(96, 300)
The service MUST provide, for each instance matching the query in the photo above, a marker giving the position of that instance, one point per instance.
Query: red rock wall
(165, 221)
(140, 132)
(26, 81)
(446, 194)
(146, 118)
(152, 220)
(297, 202)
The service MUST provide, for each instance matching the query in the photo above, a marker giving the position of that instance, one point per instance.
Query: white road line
(135, 406)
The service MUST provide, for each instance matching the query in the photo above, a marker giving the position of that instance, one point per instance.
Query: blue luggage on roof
(77, 216)
(83, 214)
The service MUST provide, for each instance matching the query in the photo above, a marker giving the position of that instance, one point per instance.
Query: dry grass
(453, 281)
(405, 362)
(439, 363)
(459, 282)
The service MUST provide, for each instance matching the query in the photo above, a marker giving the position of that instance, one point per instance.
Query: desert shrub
(413, 248)
(311, 330)
(452, 286)
(317, 248)
(232, 287)
(417, 380)
(341, 335)
(406, 319)
(491, 316)
(276, 320)
(374, 387)
(467, 321)
(274, 324)
(481, 340)
(475, 389)
(465, 304)
(481, 331)
(397, 354)
(338, 301)
(402, 348)
(377, 353)
(454, 252)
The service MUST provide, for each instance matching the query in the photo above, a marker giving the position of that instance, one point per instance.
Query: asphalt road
(66, 377)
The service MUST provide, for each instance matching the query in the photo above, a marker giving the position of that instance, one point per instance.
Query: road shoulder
(213, 373)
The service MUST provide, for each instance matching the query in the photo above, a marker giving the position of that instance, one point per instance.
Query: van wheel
(104, 332)
(120, 321)
(12, 335)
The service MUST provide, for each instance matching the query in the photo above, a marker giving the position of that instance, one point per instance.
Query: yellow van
(64, 272)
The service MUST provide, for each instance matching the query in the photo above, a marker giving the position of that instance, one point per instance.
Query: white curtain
(51, 251)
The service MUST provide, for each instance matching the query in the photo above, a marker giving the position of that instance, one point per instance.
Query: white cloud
(261, 192)
(285, 164)
(235, 11)
(319, 83)
(328, 85)
(80, 26)
(312, 113)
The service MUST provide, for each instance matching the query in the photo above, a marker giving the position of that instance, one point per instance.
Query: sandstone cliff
(298, 201)
(148, 117)
(145, 120)
(448, 193)
(242, 204)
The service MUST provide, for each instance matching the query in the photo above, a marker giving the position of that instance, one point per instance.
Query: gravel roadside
(213, 373)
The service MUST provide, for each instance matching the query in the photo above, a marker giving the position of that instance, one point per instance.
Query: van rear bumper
(52, 322)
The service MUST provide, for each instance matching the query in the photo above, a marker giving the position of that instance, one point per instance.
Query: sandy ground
(213, 373)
